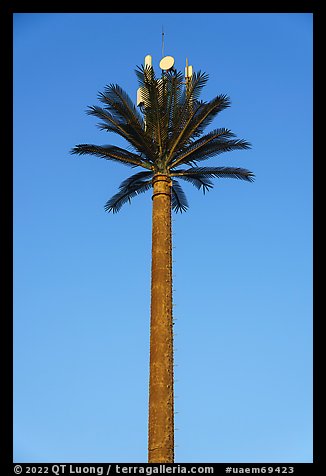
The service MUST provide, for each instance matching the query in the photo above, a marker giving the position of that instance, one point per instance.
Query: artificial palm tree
(167, 140)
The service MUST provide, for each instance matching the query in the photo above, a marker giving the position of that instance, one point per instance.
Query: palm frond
(194, 87)
(175, 94)
(110, 123)
(111, 152)
(168, 106)
(145, 75)
(134, 132)
(119, 101)
(204, 173)
(197, 116)
(199, 181)
(211, 144)
(128, 119)
(135, 179)
(179, 199)
(154, 95)
(129, 188)
(205, 115)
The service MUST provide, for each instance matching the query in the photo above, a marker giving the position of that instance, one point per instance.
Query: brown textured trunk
(161, 402)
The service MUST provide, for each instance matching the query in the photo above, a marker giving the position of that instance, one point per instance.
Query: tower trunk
(161, 400)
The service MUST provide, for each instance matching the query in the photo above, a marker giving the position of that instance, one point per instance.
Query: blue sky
(242, 253)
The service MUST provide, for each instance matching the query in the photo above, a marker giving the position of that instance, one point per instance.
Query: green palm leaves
(167, 133)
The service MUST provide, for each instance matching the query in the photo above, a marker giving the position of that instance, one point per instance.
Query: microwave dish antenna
(167, 63)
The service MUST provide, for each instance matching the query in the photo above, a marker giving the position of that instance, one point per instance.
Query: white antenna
(188, 70)
(148, 60)
(140, 94)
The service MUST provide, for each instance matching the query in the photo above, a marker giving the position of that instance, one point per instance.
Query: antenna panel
(148, 60)
(140, 100)
(188, 71)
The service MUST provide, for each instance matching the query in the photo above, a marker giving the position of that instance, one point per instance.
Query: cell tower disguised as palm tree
(166, 134)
